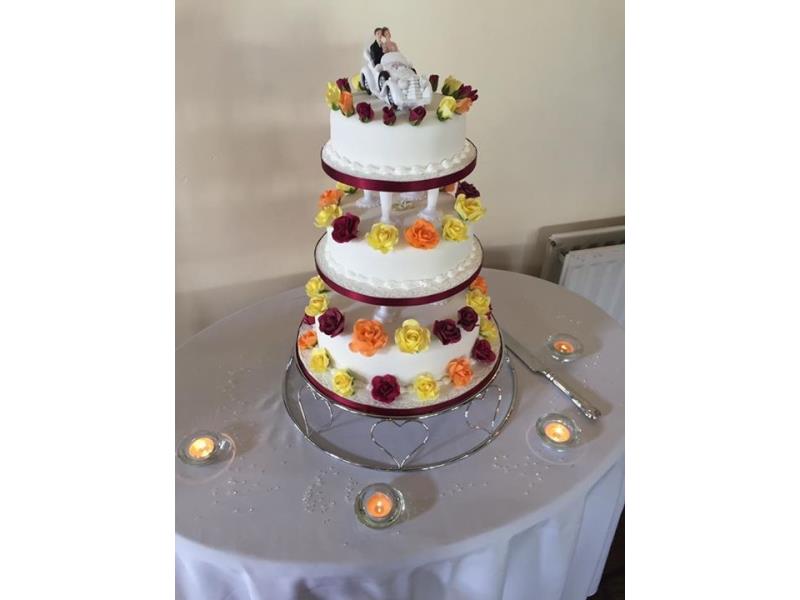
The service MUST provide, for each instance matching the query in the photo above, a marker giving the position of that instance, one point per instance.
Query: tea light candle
(204, 447)
(558, 432)
(564, 347)
(379, 505)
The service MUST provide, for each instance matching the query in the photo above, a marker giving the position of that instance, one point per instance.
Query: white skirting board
(598, 274)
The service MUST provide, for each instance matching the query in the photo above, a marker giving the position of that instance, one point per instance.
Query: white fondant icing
(400, 150)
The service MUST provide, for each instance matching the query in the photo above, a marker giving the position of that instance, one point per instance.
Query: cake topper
(390, 76)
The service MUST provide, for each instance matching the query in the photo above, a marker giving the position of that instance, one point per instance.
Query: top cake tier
(392, 131)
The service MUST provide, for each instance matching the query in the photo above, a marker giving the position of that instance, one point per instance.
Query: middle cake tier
(420, 260)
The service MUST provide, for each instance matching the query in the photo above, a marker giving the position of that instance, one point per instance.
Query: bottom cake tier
(401, 361)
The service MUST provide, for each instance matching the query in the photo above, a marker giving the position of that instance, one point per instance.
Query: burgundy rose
(345, 228)
(331, 322)
(482, 351)
(343, 84)
(308, 319)
(434, 79)
(447, 331)
(385, 388)
(469, 190)
(389, 117)
(467, 318)
(365, 112)
(416, 114)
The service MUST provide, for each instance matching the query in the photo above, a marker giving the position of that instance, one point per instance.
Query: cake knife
(587, 408)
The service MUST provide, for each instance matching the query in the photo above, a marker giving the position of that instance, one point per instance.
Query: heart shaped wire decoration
(400, 463)
(301, 393)
(480, 397)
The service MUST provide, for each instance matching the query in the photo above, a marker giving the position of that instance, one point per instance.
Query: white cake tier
(405, 271)
(401, 151)
(390, 360)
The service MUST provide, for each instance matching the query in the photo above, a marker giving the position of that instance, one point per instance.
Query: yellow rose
(450, 87)
(488, 329)
(316, 306)
(315, 286)
(447, 108)
(426, 387)
(382, 237)
(469, 209)
(342, 382)
(347, 189)
(326, 215)
(332, 95)
(478, 301)
(453, 229)
(355, 83)
(412, 337)
(319, 361)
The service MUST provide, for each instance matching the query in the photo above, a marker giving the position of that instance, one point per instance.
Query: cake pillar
(386, 206)
(368, 200)
(429, 213)
(386, 314)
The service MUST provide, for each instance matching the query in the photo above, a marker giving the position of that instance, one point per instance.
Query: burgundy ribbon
(380, 185)
(399, 412)
(408, 301)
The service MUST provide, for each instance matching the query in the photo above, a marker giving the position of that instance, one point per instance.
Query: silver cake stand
(401, 444)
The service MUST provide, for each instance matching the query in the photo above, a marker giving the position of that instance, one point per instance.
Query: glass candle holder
(558, 432)
(379, 505)
(205, 448)
(564, 347)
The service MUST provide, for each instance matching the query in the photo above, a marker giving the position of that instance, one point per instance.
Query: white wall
(250, 120)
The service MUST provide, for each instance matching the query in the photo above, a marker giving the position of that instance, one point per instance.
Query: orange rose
(459, 371)
(422, 234)
(307, 340)
(450, 189)
(368, 337)
(346, 104)
(329, 197)
(479, 284)
(463, 105)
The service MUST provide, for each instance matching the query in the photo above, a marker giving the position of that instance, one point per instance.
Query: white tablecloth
(279, 522)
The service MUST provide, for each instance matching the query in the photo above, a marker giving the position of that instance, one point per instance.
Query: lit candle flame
(557, 432)
(378, 505)
(564, 347)
(201, 448)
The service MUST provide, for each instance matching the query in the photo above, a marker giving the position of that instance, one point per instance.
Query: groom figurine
(376, 50)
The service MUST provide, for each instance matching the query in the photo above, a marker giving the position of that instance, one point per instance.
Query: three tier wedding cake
(399, 321)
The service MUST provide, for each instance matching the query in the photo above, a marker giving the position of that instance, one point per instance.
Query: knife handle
(583, 405)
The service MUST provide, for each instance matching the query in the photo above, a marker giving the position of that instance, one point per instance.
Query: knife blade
(587, 409)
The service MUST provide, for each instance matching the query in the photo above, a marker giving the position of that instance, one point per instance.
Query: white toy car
(395, 81)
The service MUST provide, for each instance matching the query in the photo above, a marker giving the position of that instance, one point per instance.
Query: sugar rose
(368, 337)
(447, 331)
(482, 351)
(346, 104)
(307, 339)
(416, 114)
(385, 388)
(463, 106)
(479, 301)
(383, 237)
(332, 95)
(345, 228)
(342, 382)
(479, 283)
(326, 215)
(331, 322)
(453, 229)
(347, 189)
(426, 387)
(319, 361)
(467, 318)
(412, 337)
(329, 197)
(450, 86)
(488, 329)
(469, 190)
(422, 234)
(460, 371)
(365, 112)
(315, 286)
(469, 209)
(446, 109)
(316, 305)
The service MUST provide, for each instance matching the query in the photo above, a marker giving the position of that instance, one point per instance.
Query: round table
(278, 521)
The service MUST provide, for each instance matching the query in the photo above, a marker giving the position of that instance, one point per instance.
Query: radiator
(591, 263)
